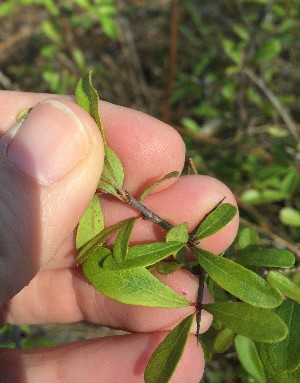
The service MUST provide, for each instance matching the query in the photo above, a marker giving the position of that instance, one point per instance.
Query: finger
(44, 162)
(65, 296)
(111, 359)
(147, 147)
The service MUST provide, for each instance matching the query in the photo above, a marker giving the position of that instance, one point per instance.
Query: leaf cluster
(262, 358)
(254, 313)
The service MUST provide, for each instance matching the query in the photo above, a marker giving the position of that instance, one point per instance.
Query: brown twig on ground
(133, 63)
(11, 41)
(264, 227)
(261, 220)
(6, 82)
(290, 124)
(166, 114)
(197, 137)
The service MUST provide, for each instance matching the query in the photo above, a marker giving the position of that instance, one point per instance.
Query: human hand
(50, 171)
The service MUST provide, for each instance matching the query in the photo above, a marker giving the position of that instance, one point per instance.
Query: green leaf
(284, 284)
(278, 132)
(6, 8)
(249, 358)
(145, 255)
(87, 98)
(112, 177)
(239, 281)
(180, 257)
(120, 249)
(155, 184)
(291, 181)
(216, 221)
(113, 174)
(23, 114)
(165, 358)
(289, 216)
(50, 31)
(233, 51)
(275, 376)
(216, 292)
(267, 258)
(223, 341)
(90, 224)
(268, 51)
(286, 25)
(241, 31)
(166, 268)
(191, 125)
(285, 355)
(178, 233)
(131, 286)
(206, 344)
(89, 247)
(247, 237)
(257, 197)
(253, 322)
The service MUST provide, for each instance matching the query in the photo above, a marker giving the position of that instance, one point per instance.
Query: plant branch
(291, 125)
(201, 279)
(145, 212)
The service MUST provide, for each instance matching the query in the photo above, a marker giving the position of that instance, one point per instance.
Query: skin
(39, 279)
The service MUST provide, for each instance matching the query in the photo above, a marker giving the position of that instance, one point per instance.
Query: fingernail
(49, 143)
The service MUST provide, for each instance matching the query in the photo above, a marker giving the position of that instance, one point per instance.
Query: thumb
(50, 165)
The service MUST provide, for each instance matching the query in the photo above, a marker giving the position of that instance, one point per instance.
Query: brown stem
(147, 214)
(201, 278)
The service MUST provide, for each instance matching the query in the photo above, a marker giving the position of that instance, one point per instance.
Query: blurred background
(225, 74)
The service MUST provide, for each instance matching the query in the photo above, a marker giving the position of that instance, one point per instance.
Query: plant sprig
(124, 273)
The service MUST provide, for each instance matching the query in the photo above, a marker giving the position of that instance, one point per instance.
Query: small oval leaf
(178, 233)
(90, 224)
(285, 355)
(87, 98)
(267, 258)
(253, 322)
(239, 281)
(113, 174)
(120, 249)
(284, 284)
(257, 197)
(290, 216)
(131, 286)
(248, 356)
(223, 340)
(275, 376)
(155, 184)
(216, 220)
(112, 177)
(247, 238)
(165, 358)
